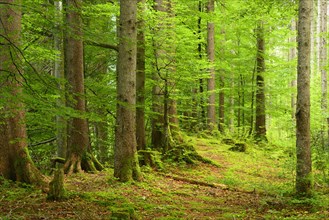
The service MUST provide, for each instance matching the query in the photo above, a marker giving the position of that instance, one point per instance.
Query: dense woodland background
(97, 81)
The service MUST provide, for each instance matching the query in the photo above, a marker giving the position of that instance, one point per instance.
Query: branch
(103, 45)
(43, 142)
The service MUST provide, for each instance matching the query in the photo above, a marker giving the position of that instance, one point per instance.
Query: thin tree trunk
(202, 117)
(243, 101)
(101, 133)
(260, 126)
(251, 130)
(323, 65)
(231, 115)
(211, 110)
(303, 148)
(157, 121)
(126, 166)
(140, 82)
(59, 74)
(221, 109)
(292, 56)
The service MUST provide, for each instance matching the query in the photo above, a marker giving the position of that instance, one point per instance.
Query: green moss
(56, 186)
(126, 213)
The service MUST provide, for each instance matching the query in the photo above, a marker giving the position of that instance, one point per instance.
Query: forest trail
(245, 186)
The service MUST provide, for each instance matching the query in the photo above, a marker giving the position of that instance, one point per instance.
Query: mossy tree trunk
(126, 166)
(15, 162)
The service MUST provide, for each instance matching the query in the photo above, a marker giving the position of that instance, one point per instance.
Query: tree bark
(202, 117)
(15, 162)
(211, 110)
(260, 126)
(323, 63)
(157, 121)
(126, 165)
(292, 56)
(303, 148)
(140, 82)
(61, 123)
(221, 109)
(78, 139)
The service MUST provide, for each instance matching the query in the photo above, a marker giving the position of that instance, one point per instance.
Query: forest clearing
(256, 184)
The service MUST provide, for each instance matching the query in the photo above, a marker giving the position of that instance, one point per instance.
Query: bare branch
(103, 45)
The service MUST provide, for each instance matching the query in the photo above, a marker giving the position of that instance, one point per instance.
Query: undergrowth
(255, 184)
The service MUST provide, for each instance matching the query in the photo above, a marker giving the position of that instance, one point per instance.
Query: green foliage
(183, 60)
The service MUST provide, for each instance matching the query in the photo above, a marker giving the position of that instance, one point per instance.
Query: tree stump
(56, 186)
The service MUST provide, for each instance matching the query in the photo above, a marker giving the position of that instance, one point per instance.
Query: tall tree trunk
(165, 67)
(323, 64)
(126, 165)
(260, 126)
(59, 74)
(303, 148)
(292, 56)
(157, 121)
(15, 162)
(140, 82)
(211, 110)
(221, 109)
(202, 117)
(231, 114)
(251, 130)
(78, 139)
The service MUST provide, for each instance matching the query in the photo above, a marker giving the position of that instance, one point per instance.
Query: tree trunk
(78, 139)
(323, 65)
(221, 110)
(231, 100)
(260, 126)
(251, 130)
(140, 82)
(15, 162)
(202, 117)
(61, 123)
(211, 110)
(157, 121)
(292, 56)
(304, 163)
(126, 165)
(101, 133)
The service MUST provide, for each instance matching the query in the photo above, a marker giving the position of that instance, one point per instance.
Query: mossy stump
(56, 186)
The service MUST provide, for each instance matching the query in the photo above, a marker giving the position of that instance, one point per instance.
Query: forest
(164, 109)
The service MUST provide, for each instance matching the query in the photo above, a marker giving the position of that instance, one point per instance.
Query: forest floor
(256, 184)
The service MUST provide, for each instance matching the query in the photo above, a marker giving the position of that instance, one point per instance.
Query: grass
(259, 186)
